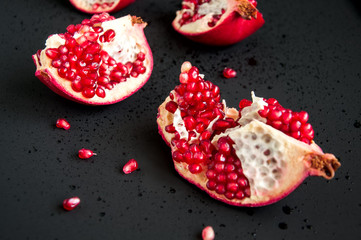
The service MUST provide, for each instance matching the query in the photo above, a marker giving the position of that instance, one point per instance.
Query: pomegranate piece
(130, 166)
(229, 73)
(101, 61)
(85, 153)
(71, 203)
(214, 22)
(62, 123)
(208, 233)
(100, 6)
(253, 156)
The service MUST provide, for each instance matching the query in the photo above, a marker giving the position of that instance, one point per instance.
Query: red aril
(229, 73)
(208, 233)
(218, 22)
(100, 6)
(130, 166)
(71, 203)
(251, 157)
(101, 61)
(85, 153)
(62, 123)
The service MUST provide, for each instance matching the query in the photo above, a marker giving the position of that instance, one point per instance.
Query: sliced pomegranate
(218, 22)
(249, 157)
(100, 6)
(101, 61)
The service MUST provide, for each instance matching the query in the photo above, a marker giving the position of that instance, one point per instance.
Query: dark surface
(307, 55)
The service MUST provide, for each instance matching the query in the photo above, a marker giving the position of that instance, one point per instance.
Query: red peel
(236, 20)
(92, 7)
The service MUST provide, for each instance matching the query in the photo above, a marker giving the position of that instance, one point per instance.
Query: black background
(307, 55)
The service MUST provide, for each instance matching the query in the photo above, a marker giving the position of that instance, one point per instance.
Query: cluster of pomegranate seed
(82, 61)
(229, 73)
(225, 173)
(192, 15)
(199, 104)
(71, 203)
(291, 123)
(130, 166)
(104, 5)
(62, 123)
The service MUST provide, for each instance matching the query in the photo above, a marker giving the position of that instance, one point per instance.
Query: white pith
(179, 126)
(88, 4)
(214, 7)
(251, 112)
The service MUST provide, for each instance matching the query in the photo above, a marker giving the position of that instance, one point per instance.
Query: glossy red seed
(85, 153)
(177, 156)
(295, 126)
(211, 185)
(303, 116)
(130, 166)
(171, 106)
(229, 73)
(141, 56)
(71, 203)
(88, 92)
(52, 53)
(100, 92)
(195, 168)
(244, 103)
(62, 123)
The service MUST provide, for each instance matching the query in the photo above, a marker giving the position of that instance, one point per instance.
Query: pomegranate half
(101, 61)
(100, 6)
(254, 156)
(218, 22)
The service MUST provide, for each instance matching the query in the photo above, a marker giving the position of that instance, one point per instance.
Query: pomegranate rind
(230, 29)
(297, 159)
(49, 76)
(117, 5)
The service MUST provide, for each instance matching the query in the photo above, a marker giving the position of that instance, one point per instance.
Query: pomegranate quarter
(101, 61)
(253, 156)
(218, 22)
(100, 6)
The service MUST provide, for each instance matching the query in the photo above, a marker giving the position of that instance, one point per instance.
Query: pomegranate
(218, 22)
(100, 6)
(71, 203)
(101, 61)
(249, 157)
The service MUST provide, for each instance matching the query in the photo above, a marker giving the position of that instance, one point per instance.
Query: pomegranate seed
(71, 203)
(171, 106)
(52, 53)
(109, 35)
(62, 123)
(229, 73)
(211, 185)
(186, 66)
(85, 153)
(183, 77)
(303, 116)
(220, 189)
(141, 56)
(274, 114)
(244, 103)
(295, 126)
(195, 168)
(100, 92)
(208, 233)
(130, 166)
(193, 74)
